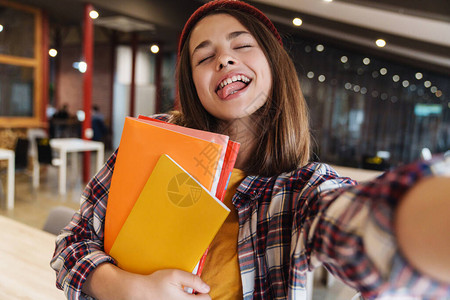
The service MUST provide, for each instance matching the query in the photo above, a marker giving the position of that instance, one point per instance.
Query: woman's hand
(170, 284)
(422, 224)
(108, 281)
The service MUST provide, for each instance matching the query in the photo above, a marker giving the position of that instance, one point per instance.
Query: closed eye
(243, 46)
(204, 59)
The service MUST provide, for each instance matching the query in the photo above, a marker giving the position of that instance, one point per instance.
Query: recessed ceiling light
(380, 43)
(93, 14)
(1, 27)
(419, 75)
(297, 21)
(52, 52)
(154, 48)
(320, 48)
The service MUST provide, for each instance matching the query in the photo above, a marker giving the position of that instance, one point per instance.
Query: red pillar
(58, 45)
(113, 43)
(88, 49)
(158, 80)
(45, 68)
(134, 45)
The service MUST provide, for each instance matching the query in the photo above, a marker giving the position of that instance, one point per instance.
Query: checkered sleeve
(79, 248)
(350, 230)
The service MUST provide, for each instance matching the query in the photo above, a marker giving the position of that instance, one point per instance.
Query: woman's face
(230, 71)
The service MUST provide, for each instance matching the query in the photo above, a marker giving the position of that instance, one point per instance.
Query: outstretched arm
(423, 227)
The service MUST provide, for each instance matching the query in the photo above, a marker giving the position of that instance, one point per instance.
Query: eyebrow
(230, 36)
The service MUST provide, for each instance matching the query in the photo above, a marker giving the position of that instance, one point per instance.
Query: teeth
(234, 79)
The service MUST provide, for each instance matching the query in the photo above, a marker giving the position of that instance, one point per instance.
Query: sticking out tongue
(230, 89)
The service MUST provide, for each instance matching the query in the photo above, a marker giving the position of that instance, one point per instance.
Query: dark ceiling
(168, 17)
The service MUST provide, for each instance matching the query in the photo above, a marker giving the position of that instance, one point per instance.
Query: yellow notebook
(140, 147)
(171, 224)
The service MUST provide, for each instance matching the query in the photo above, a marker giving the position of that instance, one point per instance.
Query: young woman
(387, 236)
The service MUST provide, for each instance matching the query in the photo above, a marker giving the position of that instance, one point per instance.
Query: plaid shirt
(288, 225)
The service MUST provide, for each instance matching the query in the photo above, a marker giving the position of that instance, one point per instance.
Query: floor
(32, 207)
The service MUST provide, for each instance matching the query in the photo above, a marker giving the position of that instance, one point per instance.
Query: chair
(44, 156)
(32, 134)
(21, 153)
(58, 218)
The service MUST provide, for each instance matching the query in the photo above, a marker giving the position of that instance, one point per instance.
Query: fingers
(192, 281)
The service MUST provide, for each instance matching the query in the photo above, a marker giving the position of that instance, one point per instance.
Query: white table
(74, 145)
(9, 155)
(25, 254)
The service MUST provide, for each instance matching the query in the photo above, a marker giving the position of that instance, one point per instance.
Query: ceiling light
(80, 66)
(433, 89)
(344, 59)
(419, 75)
(1, 27)
(405, 83)
(383, 71)
(154, 49)
(395, 78)
(427, 84)
(438, 93)
(297, 21)
(321, 78)
(366, 61)
(93, 14)
(52, 52)
(348, 86)
(320, 48)
(328, 0)
(380, 43)
(310, 74)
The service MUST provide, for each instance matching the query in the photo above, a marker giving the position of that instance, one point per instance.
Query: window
(20, 65)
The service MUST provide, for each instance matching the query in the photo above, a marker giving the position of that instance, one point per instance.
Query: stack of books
(165, 200)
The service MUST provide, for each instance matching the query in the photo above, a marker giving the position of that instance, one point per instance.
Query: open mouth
(232, 85)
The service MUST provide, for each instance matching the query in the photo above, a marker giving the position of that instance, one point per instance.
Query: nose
(224, 61)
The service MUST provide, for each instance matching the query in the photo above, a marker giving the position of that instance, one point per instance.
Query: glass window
(17, 34)
(16, 91)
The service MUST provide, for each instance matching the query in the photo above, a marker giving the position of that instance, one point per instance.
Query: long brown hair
(282, 123)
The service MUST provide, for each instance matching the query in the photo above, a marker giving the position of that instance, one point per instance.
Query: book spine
(228, 165)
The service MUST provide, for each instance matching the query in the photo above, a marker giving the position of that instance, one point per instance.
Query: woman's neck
(241, 131)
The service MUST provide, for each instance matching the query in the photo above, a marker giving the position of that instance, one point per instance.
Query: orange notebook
(201, 134)
(140, 147)
(171, 224)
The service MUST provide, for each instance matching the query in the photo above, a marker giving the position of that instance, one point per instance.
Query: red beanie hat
(218, 4)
